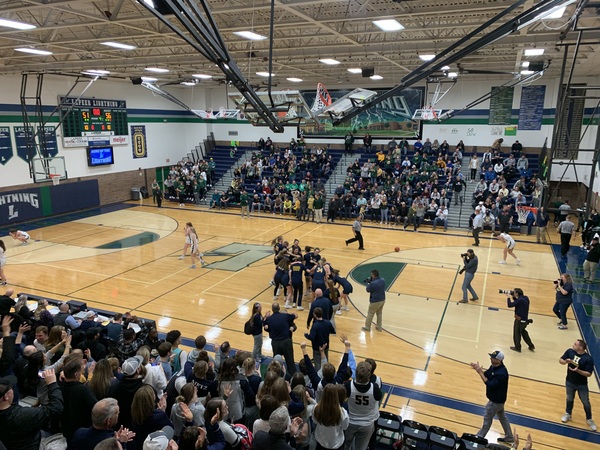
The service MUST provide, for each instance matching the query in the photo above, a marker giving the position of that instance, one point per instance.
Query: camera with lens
(506, 292)
(367, 280)
(558, 282)
(464, 255)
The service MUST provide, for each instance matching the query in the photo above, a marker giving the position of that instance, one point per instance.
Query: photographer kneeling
(520, 302)
(470, 267)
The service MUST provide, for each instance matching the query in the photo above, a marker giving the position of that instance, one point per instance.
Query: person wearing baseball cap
(496, 389)
(124, 390)
(160, 440)
(20, 428)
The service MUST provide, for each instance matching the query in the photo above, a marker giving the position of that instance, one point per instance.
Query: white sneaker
(274, 298)
(518, 261)
(288, 306)
(277, 293)
(565, 418)
(300, 308)
(345, 308)
(502, 261)
(181, 257)
(338, 312)
(272, 283)
(592, 425)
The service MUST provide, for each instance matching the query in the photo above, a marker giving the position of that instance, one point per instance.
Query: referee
(566, 228)
(356, 227)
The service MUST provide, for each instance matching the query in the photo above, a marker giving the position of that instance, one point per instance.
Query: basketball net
(322, 98)
(429, 113)
(523, 212)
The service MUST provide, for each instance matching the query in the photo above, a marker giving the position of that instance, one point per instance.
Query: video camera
(506, 292)
(558, 282)
(367, 280)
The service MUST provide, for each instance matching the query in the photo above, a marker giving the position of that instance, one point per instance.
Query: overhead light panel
(355, 70)
(556, 14)
(295, 80)
(452, 74)
(16, 25)
(389, 25)
(446, 68)
(527, 72)
(149, 79)
(250, 35)
(188, 83)
(427, 57)
(96, 72)
(264, 74)
(329, 61)
(34, 51)
(376, 77)
(534, 51)
(525, 64)
(202, 76)
(119, 45)
(157, 70)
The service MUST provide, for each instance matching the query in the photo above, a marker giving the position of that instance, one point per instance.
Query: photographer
(564, 299)
(376, 289)
(470, 267)
(521, 304)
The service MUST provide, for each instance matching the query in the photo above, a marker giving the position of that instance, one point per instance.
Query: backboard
(353, 99)
(44, 169)
(288, 107)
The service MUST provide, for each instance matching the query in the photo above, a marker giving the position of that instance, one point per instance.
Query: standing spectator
(256, 321)
(580, 366)
(179, 356)
(331, 420)
(280, 327)
(473, 166)
(20, 427)
(348, 141)
(496, 389)
(2, 263)
(7, 302)
(457, 186)
(563, 211)
(319, 336)
(368, 142)
(591, 261)
(356, 229)
(541, 221)
(363, 407)
(566, 229)
(376, 289)
(128, 343)
(564, 299)
(318, 207)
(78, 400)
(471, 262)
(520, 302)
(124, 389)
(244, 204)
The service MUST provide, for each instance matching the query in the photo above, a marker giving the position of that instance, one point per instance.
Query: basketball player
(188, 240)
(2, 263)
(19, 235)
(195, 248)
(508, 248)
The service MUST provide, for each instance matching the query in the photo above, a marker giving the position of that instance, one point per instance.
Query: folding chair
(470, 441)
(440, 438)
(415, 434)
(389, 429)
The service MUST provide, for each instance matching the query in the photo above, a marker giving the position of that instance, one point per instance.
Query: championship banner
(138, 141)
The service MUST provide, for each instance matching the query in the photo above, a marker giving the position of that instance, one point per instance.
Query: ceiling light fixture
(329, 61)
(250, 35)
(525, 64)
(452, 74)
(295, 80)
(527, 72)
(389, 25)
(355, 70)
(202, 76)
(264, 74)
(157, 70)
(556, 14)
(119, 45)
(446, 68)
(96, 72)
(534, 51)
(17, 25)
(34, 51)
(188, 83)
(427, 57)
(376, 77)
(149, 79)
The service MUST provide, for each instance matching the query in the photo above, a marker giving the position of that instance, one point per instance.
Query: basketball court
(125, 258)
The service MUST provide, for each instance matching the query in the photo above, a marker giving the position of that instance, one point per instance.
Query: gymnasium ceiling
(305, 31)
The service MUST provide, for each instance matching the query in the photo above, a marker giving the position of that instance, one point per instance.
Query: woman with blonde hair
(187, 409)
(256, 321)
(146, 415)
(102, 380)
(42, 315)
(54, 343)
(188, 242)
(330, 419)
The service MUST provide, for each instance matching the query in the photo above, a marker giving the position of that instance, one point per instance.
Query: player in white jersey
(195, 248)
(508, 248)
(188, 239)
(2, 263)
(20, 236)
(363, 408)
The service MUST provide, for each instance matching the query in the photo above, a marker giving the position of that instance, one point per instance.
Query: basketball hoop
(428, 114)
(322, 99)
(523, 212)
(55, 177)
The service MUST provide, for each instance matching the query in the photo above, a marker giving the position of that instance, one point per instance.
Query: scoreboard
(83, 117)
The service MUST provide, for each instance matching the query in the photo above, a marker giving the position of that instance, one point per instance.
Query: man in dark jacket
(591, 261)
(124, 390)
(280, 327)
(520, 302)
(20, 428)
(496, 390)
(78, 400)
(319, 336)
(376, 289)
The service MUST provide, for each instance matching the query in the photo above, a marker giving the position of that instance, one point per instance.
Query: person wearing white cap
(160, 440)
(279, 423)
(124, 390)
(496, 389)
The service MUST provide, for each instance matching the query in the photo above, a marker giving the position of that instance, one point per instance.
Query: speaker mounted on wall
(368, 72)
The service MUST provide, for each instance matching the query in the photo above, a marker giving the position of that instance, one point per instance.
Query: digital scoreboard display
(93, 117)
